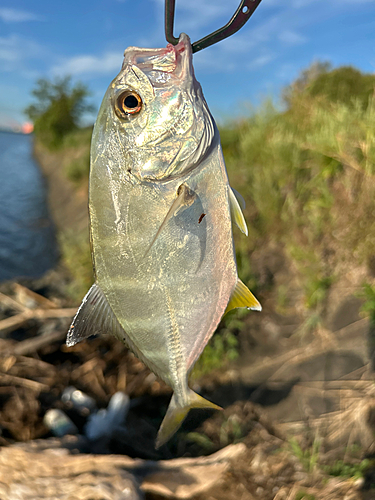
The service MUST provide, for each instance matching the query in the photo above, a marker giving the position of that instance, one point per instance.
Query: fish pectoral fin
(236, 211)
(185, 197)
(176, 414)
(240, 198)
(94, 317)
(242, 297)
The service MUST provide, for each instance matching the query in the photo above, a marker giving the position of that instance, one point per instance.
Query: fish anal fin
(242, 297)
(236, 212)
(94, 317)
(176, 414)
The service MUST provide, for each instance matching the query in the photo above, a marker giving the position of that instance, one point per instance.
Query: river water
(27, 239)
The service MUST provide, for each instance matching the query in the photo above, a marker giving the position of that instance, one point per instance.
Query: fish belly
(170, 298)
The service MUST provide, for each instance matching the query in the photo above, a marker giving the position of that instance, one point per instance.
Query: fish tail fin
(176, 414)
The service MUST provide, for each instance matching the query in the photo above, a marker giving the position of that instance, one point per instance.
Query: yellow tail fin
(176, 415)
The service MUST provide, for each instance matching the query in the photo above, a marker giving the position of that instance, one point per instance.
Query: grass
(223, 347)
(78, 169)
(76, 148)
(308, 457)
(297, 170)
(302, 495)
(76, 257)
(310, 461)
(348, 470)
(307, 175)
(201, 440)
(368, 294)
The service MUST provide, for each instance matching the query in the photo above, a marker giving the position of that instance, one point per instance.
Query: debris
(59, 423)
(78, 400)
(105, 423)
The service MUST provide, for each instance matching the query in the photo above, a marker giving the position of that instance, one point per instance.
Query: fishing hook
(240, 17)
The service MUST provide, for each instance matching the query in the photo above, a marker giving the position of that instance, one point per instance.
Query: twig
(9, 324)
(6, 379)
(22, 292)
(31, 345)
(13, 304)
(67, 312)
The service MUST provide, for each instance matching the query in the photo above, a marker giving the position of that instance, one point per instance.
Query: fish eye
(128, 103)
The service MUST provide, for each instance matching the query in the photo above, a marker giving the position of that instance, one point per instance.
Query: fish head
(154, 123)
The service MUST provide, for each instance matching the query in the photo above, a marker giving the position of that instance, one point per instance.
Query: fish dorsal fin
(236, 212)
(94, 317)
(242, 297)
(185, 197)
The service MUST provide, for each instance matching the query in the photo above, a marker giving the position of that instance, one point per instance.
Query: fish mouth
(166, 65)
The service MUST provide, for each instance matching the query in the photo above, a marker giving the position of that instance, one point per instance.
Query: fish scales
(160, 219)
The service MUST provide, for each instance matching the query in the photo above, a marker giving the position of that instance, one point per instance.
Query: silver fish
(161, 231)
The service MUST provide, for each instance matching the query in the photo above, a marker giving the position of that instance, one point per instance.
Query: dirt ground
(36, 368)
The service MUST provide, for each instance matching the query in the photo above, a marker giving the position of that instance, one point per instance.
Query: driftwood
(32, 470)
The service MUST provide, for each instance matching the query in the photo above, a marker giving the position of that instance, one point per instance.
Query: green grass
(302, 495)
(221, 349)
(76, 256)
(201, 440)
(368, 294)
(76, 149)
(308, 177)
(310, 461)
(308, 457)
(347, 470)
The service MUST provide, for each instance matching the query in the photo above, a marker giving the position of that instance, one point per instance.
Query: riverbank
(67, 199)
(66, 174)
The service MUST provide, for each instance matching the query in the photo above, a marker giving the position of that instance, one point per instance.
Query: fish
(161, 214)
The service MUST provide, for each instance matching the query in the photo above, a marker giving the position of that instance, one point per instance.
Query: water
(27, 239)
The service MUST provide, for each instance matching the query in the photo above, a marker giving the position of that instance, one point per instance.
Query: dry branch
(31, 345)
(9, 324)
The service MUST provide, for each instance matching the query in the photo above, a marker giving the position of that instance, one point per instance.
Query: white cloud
(109, 62)
(290, 37)
(14, 49)
(18, 16)
(260, 61)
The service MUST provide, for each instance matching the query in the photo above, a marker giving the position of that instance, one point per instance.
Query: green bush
(58, 109)
(308, 177)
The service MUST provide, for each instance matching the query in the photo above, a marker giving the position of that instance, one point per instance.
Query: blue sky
(86, 39)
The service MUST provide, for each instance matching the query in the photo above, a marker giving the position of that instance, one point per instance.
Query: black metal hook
(240, 17)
